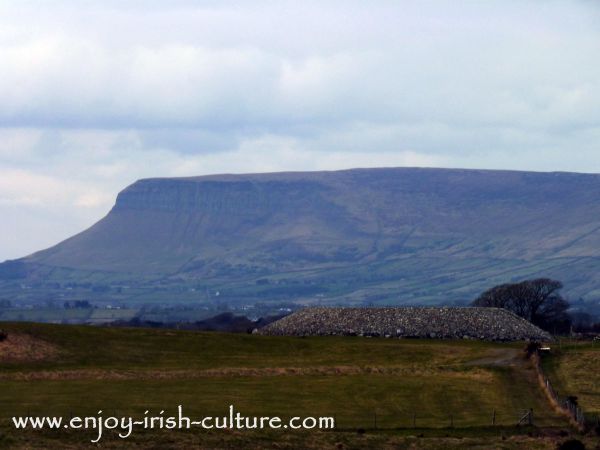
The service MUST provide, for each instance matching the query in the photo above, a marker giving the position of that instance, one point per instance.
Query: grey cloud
(94, 95)
(236, 66)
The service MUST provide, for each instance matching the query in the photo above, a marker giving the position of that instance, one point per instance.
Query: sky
(97, 94)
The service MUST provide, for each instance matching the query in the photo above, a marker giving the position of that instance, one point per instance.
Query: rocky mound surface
(19, 347)
(492, 324)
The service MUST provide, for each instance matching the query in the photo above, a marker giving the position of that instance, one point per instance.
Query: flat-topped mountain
(381, 236)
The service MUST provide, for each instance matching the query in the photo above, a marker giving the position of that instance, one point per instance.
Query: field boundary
(149, 374)
(563, 405)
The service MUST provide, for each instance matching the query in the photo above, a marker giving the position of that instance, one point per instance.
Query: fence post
(414, 420)
(375, 419)
(494, 418)
(451, 420)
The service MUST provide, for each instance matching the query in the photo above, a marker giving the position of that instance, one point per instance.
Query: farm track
(501, 357)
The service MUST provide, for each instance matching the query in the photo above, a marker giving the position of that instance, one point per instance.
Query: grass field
(391, 388)
(574, 369)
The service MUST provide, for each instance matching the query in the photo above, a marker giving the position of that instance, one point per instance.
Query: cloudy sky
(97, 94)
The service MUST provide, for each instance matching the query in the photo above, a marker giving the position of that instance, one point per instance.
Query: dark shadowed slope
(400, 235)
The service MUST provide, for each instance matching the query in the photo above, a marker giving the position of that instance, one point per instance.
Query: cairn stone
(490, 324)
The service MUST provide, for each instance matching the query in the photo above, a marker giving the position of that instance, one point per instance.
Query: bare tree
(538, 301)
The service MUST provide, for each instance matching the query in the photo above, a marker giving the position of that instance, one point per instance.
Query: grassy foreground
(574, 369)
(395, 391)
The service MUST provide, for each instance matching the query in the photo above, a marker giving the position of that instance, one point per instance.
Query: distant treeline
(224, 322)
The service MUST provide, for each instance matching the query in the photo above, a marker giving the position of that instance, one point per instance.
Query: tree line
(538, 300)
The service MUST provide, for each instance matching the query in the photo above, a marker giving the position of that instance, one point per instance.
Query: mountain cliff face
(398, 235)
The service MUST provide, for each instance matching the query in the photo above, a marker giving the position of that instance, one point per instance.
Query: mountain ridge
(390, 235)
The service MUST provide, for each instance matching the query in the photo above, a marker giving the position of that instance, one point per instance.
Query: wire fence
(568, 404)
(369, 420)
